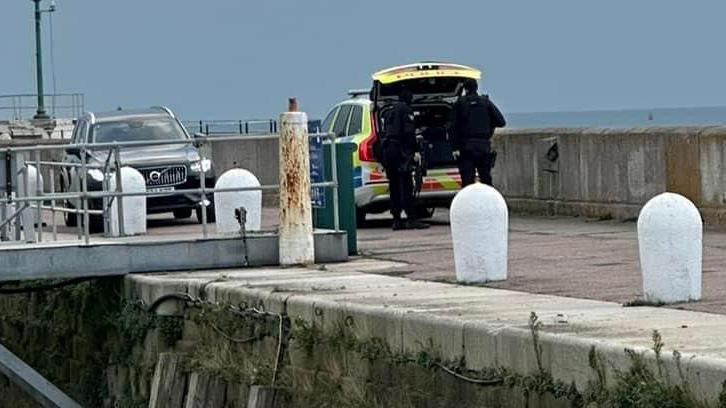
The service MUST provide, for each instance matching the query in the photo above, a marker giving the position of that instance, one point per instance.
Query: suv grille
(164, 176)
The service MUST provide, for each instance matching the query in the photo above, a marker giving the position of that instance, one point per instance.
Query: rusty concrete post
(296, 220)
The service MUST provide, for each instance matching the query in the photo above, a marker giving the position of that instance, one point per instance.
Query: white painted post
(134, 206)
(32, 184)
(296, 221)
(226, 203)
(670, 237)
(479, 229)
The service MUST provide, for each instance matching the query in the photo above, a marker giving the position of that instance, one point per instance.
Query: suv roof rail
(165, 109)
(358, 92)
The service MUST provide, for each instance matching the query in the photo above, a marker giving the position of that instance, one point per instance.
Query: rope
(468, 379)
(230, 338)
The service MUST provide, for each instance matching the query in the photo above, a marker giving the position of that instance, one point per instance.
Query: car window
(132, 130)
(329, 120)
(356, 116)
(342, 120)
(74, 136)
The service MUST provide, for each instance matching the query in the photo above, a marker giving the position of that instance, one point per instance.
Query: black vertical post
(40, 114)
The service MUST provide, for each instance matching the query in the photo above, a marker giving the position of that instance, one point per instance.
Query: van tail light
(365, 151)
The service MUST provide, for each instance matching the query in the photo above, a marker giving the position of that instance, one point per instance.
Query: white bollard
(226, 203)
(479, 229)
(296, 216)
(670, 236)
(134, 207)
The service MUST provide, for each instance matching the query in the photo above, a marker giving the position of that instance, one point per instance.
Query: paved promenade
(563, 256)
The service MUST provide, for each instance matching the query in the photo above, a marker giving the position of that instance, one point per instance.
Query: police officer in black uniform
(472, 125)
(400, 153)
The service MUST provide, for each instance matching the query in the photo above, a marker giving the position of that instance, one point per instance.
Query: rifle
(419, 169)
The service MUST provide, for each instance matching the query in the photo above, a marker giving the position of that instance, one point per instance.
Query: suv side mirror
(199, 139)
(73, 151)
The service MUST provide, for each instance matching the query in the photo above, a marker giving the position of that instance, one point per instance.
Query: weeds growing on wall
(247, 348)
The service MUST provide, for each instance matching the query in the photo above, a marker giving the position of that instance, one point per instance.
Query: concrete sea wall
(598, 173)
(611, 172)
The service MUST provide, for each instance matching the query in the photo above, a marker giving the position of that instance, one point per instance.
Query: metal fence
(242, 127)
(18, 200)
(24, 106)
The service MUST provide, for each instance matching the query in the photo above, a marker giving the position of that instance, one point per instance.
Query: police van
(435, 87)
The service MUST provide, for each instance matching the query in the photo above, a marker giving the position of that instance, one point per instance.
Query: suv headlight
(203, 165)
(96, 174)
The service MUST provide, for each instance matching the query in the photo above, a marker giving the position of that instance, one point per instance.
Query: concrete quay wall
(476, 329)
(611, 172)
(587, 172)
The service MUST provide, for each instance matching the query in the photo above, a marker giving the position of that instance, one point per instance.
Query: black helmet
(470, 86)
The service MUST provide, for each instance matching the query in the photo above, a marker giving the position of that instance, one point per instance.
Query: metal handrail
(35, 199)
(21, 105)
(145, 143)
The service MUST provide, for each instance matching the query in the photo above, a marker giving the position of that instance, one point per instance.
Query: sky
(242, 59)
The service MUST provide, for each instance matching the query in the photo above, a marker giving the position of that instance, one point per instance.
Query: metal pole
(84, 190)
(28, 228)
(52, 203)
(38, 192)
(334, 168)
(119, 189)
(40, 114)
(3, 216)
(203, 186)
(296, 221)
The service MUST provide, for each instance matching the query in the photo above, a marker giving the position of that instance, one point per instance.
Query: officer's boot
(398, 223)
(413, 223)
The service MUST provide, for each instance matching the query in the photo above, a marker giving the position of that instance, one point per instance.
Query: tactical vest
(475, 112)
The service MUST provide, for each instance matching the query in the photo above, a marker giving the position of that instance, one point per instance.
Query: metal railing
(242, 127)
(17, 200)
(24, 106)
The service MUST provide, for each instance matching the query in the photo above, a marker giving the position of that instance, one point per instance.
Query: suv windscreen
(137, 129)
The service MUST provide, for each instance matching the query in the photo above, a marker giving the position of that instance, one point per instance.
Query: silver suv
(165, 167)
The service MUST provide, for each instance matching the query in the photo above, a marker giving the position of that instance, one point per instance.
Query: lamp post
(40, 113)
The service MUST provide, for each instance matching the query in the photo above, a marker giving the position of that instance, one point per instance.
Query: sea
(702, 116)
